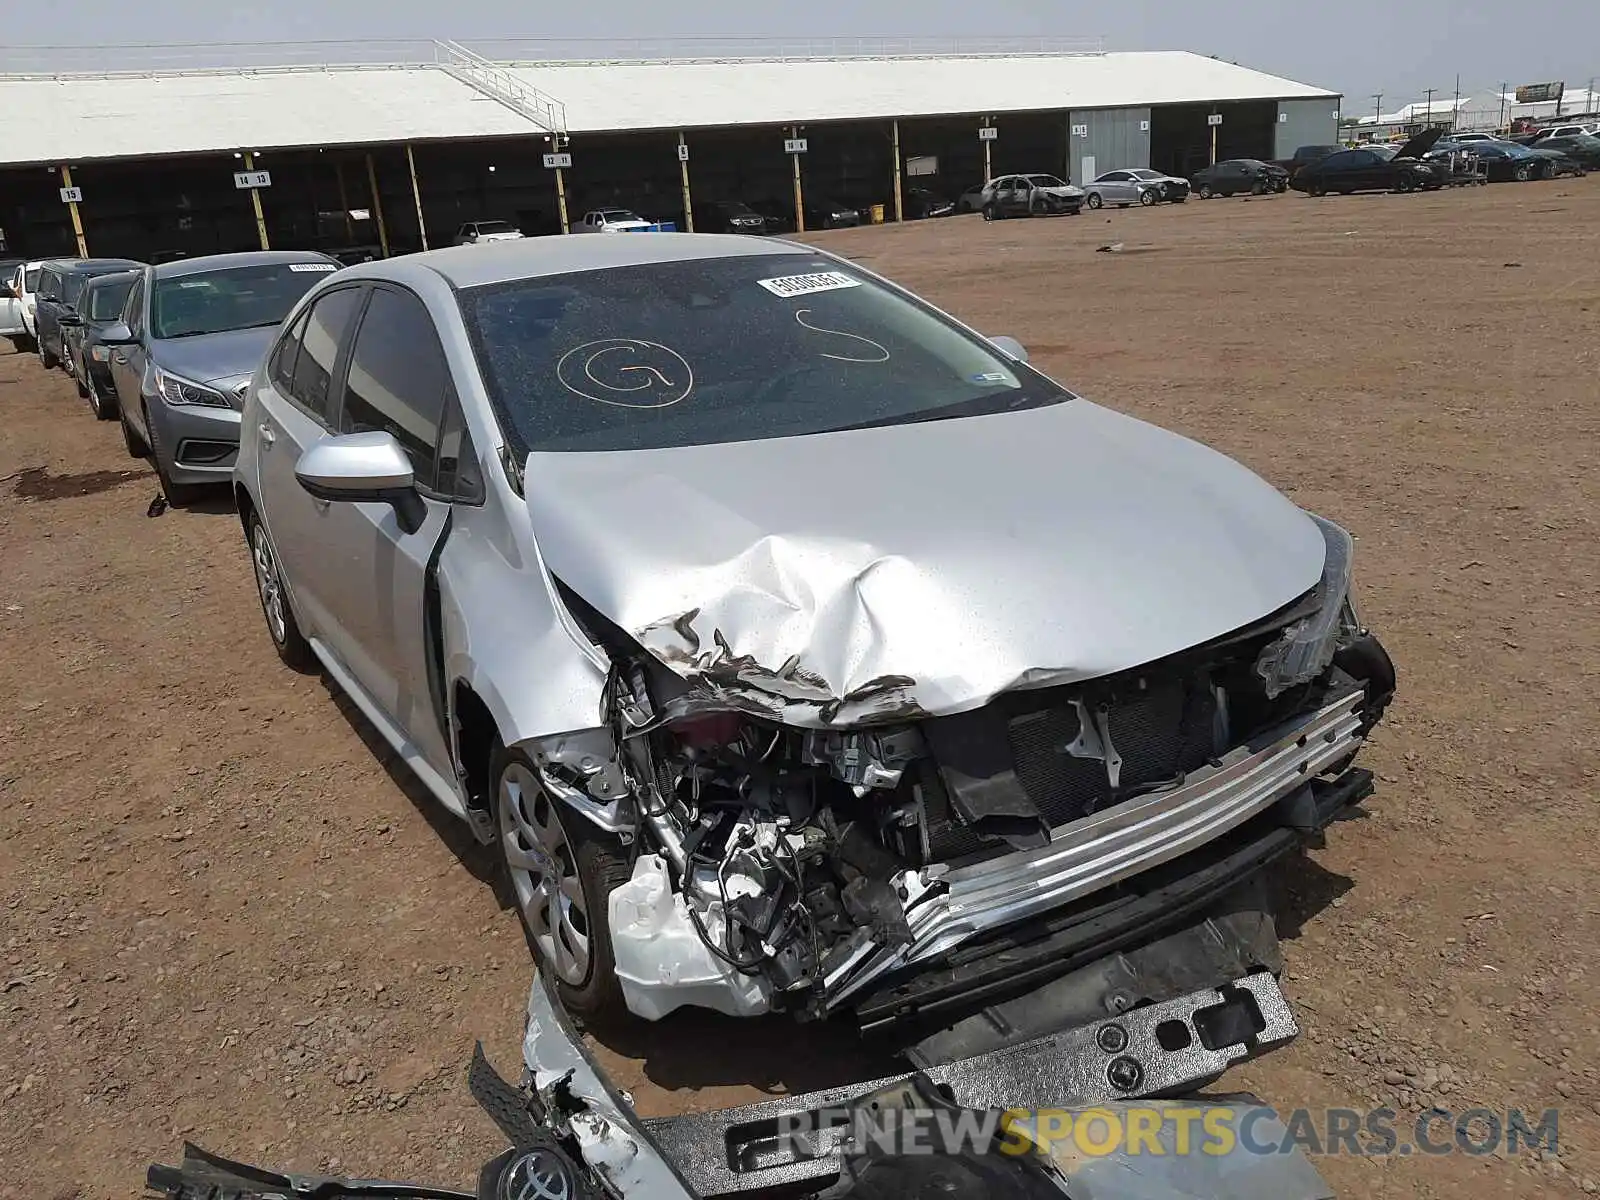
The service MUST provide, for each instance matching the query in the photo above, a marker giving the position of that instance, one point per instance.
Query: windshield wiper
(980, 406)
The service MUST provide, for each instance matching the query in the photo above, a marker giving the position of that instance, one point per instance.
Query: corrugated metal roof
(689, 95)
(75, 118)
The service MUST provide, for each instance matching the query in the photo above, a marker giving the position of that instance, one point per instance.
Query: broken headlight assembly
(1306, 648)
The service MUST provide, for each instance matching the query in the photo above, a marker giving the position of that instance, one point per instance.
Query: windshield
(106, 299)
(1143, 174)
(495, 227)
(1045, 181)
(72, 289)
(1385, 152)
(233, 298)
(31, 279)
(619, 214)
(726, 350)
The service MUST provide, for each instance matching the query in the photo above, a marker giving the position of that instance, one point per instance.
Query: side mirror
(116, 334)
(363, 467)
(7, 292)
(1010, 347)
(68, 316)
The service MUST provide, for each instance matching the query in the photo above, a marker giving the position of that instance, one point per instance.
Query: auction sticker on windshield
(804, 285)
(312, 267)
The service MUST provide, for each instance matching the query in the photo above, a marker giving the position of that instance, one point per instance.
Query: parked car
(12, 326)
(1031, 196)
(58, 320)
(1304, 156)
(613, 220)
(921, 203)
(1558, 163)
(99, 309)
(475, 233)
(1550, 131)
(192, 334)
(825, 213)
(1509, 162)
(24, 289)
(1465, 138)
(778, 213)
(47, 300)
(1581, 147)
(727, 216)
(533, 509)
(971, 200)
(1134, 186)
(1233, 176)
(1372, 169)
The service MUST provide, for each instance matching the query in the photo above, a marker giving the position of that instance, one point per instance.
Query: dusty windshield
(233, 298)
(726, 350)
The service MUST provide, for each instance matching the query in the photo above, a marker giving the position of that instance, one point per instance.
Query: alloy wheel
(270, 585)
(544, 874)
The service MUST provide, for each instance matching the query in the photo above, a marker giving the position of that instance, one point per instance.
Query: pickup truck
(1304, 157)
(620, 220)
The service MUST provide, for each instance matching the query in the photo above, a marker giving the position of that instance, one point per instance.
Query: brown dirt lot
(225, 918)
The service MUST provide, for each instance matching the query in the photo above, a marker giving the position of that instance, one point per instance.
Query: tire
(21, 343)
(571, 938)
(1205, 192)
(177, 494)
(1316, 189)
(130, 439)
(1523, 173)
(47, 359)
(1148, 198)
(991, 212)
(83, 389)
(1406, 183)
(1093, 200)
(282, 628)
(105, 407)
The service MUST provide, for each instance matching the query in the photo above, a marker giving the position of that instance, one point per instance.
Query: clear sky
(1358, 47)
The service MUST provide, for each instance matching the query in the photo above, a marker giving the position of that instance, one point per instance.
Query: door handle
(267, 436)
(119, 357)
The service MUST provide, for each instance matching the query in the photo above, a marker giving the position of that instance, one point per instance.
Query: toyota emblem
(538, 1175)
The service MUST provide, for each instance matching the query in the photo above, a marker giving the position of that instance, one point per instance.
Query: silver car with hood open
(799, 648)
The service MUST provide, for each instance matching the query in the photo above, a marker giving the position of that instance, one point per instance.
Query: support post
(899, 191)
(988, 166)
(77, 218)
(1213, 147)
(799, 196)
(255, 204)
(416, 195)
(344, 200)
(377, 206)
(683, 167)
(561, 199)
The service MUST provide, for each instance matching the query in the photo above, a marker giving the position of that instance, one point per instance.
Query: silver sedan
(783, 634)
(1136, 185)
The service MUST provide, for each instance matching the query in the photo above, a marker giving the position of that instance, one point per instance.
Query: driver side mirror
(7, 292)
(116, 335)
(352, 467)
(68, 316)
(1010, 347)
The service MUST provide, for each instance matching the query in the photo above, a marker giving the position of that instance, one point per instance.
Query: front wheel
(47, 358)
(562, 872)
(991, 212)
(1148, 197)
(1205, 191)
(287, 639)
(1524, 172)
(1094, 200)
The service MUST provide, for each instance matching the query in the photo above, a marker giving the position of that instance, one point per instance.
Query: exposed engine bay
(798, 869)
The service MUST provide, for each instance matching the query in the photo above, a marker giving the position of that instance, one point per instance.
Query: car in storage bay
(531, 505)
(193, 333)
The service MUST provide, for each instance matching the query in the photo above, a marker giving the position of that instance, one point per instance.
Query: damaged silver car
(800, 648)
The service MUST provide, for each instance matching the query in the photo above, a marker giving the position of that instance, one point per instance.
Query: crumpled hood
(920, 569)
(213, 357)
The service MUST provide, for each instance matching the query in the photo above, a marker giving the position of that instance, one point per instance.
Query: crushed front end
(877, 866)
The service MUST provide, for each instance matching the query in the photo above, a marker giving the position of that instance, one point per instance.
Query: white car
(477, 233)
(1473, 137)
(17, 305)
(612, 220)
(1561, 131)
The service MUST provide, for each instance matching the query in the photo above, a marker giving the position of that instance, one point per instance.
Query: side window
(281, 369)
(327, 326)
(49, 285)
(133, 310)
(398, 378)
(460, 476)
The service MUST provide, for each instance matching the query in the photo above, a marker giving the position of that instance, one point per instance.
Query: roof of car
(221, 262)
(112, 276)
(100, 266)
(498, 262)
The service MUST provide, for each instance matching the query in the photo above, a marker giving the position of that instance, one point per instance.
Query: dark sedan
(1235, 176)
(1580, 147)
(727, 216)
(88, 358)
(1370, 170)
(1509, 162)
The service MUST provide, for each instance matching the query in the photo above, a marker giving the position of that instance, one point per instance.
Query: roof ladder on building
(499, 83)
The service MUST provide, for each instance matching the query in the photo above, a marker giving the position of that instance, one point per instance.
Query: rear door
(1116, 187)
(396, 380)
(11, 305)
(46, 305)
(127, 361)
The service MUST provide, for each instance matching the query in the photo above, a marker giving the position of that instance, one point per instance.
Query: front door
(11, 307)
(128, 361)
(396, 380)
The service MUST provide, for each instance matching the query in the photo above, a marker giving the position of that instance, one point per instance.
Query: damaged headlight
(1307, 647)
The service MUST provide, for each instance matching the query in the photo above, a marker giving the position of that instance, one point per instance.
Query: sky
(1357, 47)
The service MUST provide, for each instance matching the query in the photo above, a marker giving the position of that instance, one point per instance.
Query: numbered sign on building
(683, 151)
(71, 195)
(559, 161)
(988, 134)
(1214, 119)
(794, 145)
(244, 180)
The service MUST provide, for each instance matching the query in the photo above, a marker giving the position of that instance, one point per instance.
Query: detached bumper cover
(945, 908)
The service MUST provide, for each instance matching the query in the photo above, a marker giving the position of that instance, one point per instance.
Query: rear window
(726, 350)
(72, 289)
(494, 227)
(31, 279)
(253, 297)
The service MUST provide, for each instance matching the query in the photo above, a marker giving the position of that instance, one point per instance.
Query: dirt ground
(227, 919)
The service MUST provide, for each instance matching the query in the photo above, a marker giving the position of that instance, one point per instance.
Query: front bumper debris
(1121, 1058)
(945, 908)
